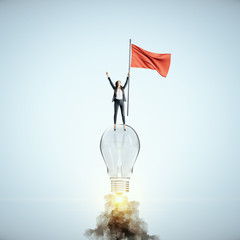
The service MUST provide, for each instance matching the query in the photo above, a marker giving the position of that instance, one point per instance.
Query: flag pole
(129, 75)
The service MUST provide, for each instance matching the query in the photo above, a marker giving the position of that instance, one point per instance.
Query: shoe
(114, 129)
(124, 129)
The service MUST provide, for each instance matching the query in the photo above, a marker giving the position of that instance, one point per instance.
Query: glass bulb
(120, 150)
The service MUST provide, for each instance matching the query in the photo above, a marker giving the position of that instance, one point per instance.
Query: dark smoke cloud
(120, 221)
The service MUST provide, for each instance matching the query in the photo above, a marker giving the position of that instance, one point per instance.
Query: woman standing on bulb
(119, 99)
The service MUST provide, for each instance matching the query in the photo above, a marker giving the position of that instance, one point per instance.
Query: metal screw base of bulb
(119, 185)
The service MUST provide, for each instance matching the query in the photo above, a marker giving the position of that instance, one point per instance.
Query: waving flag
(144, 59)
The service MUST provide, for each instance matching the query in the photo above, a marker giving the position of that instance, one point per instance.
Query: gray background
(55, 103)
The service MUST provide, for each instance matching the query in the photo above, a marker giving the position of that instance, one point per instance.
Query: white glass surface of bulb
(120, 150)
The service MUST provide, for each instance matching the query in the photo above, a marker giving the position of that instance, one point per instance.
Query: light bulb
(120, 150)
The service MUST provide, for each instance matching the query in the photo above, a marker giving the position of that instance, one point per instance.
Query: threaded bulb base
(119, 185)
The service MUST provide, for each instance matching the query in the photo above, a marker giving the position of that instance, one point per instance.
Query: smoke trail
(119, 221)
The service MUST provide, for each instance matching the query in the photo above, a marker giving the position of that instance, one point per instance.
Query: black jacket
(114, 95)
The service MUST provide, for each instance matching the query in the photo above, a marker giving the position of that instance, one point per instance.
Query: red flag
(144, 59)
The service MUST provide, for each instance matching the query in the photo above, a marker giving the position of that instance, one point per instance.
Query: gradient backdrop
(55, 103)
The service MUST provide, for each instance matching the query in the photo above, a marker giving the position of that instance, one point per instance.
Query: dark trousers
(118, 103)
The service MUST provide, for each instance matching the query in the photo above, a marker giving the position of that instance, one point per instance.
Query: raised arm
(110, 80)
(125, 84)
